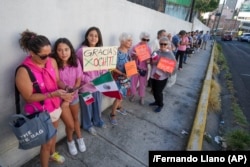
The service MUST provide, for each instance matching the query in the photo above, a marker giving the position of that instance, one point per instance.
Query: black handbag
(190, 50)
(31, 130)
(142, 72)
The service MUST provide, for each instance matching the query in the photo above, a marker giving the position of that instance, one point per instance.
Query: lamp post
(220, 16)
(191, 12)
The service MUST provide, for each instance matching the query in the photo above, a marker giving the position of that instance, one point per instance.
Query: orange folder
(130, 68)
(166, 64)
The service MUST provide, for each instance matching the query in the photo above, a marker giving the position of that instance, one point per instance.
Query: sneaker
(142, 101)
(72, 147)
(57, 158)
(122, 111)
(113, 121)
(92, 131)
(81, 144)
(132, 98)
(153, 104)
(103, 126)
(158, 109)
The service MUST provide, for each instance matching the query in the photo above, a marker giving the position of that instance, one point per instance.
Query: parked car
(244, 37)
(226, 37)
(248, 39)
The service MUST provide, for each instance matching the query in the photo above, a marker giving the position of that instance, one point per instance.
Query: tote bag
(32, 130)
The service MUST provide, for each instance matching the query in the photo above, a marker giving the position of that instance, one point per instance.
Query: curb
(196, 136)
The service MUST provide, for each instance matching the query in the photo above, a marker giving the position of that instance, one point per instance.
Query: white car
(248, 39)
(244, 37)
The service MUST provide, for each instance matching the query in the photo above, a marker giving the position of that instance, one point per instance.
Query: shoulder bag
(31, 130)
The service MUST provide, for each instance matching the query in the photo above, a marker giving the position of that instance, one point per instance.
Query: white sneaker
(81, 145)
(92, 131)
(72, 147)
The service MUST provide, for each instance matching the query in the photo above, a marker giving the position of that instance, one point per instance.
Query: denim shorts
(76, 100)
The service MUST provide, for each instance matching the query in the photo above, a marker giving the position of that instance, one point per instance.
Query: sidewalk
(128, 143)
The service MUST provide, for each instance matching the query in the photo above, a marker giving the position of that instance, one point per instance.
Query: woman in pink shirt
(142, 66)
(45, 71)
(70, 73)
(182, 46)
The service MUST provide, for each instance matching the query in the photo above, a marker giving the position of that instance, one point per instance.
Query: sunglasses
(43, 57)
(143, 39)
(163, 44)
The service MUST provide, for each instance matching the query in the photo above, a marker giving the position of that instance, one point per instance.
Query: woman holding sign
(120, 75)
(163, 65)
(91, 113)
(141, 54)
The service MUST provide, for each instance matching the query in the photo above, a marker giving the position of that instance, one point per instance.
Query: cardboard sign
(99, 58)
(166, 64)
(142, 52)
(130, 68)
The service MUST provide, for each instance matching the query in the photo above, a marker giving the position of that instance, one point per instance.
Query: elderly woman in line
(142, 66)
(159, 77)
(120, 77)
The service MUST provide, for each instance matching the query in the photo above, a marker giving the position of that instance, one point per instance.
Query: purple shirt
(70, 74)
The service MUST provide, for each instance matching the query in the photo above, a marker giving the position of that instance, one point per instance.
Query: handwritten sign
(166, 64)
(130, 68)
(142, 52)
(99, 58)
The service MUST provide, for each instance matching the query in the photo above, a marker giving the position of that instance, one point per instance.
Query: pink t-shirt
(183, 47)
(46, 79)
(69, 75)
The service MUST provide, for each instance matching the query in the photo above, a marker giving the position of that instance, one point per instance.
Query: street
(238, 59)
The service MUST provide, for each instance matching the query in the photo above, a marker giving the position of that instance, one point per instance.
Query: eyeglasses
(43, 57)
(163, 44)
(143, 39)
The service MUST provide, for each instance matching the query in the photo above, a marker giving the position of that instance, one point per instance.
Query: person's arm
(25, 87)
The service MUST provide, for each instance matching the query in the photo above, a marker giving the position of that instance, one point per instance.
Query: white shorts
(55, 115)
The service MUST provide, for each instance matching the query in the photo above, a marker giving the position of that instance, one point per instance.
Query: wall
(71, 19)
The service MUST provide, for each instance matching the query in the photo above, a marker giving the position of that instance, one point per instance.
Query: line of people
(59, 72)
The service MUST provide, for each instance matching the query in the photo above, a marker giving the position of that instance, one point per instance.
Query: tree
(206, 5)
(202, 6)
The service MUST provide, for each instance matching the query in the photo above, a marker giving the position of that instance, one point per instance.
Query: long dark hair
(72, 59)
(30, 41)
(86, 42)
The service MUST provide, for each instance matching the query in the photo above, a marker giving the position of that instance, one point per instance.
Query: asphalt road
(238, 58)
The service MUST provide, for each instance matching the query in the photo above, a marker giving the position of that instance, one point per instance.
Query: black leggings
(157, 88)
(181, 54)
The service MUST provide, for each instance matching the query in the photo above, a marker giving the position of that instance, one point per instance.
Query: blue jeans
(91, 114)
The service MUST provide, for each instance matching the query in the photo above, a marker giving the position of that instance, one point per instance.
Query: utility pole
(220, 15)
(191, 12)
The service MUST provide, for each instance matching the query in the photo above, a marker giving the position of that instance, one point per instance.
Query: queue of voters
(73, 81)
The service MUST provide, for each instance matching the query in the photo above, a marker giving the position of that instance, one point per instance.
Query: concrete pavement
(128, 143)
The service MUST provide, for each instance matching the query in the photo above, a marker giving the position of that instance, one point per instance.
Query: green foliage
(238, 140)
(206, 5)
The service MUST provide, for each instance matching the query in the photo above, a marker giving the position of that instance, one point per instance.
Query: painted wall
(71, 19)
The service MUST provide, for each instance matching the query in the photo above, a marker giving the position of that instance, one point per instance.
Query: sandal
(113, 121)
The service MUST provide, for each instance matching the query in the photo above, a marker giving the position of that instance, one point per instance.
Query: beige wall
(71, 19)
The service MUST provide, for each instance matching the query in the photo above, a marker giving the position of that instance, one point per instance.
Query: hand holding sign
(130, 68)
(166, 64)
(142, 52)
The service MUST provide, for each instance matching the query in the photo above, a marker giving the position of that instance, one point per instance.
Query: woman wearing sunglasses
(45, 71)
(159, 77)
(142, 67)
